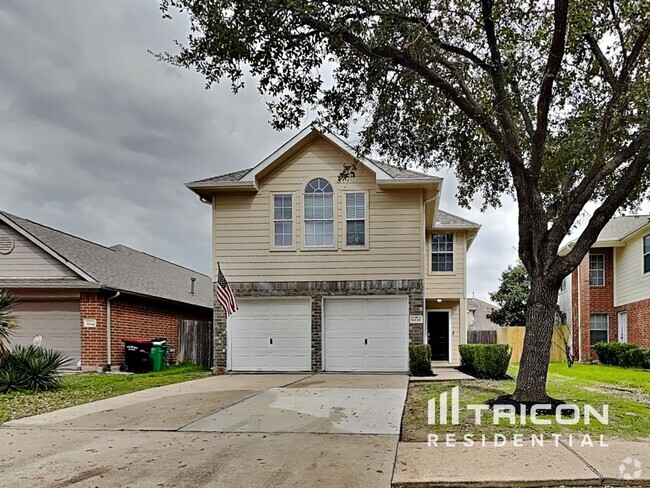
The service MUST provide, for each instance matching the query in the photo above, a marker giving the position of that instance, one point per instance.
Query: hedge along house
(335, 275)
(82, 298)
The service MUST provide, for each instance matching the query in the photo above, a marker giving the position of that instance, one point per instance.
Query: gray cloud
(97, 137)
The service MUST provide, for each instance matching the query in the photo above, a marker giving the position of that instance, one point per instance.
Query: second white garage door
(271, 335)
(366, 334)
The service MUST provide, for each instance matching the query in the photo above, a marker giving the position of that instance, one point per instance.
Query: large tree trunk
(540, 319)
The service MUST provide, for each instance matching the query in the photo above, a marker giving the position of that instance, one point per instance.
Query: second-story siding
(242, 227)
(632, 284)
(447, 284)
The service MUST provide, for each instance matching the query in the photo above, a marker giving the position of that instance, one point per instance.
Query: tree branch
(602, 60)
(582, 193)
(630, 178)
(553, 64)
(474, 111)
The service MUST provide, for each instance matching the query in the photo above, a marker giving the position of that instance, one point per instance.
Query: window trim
(335, 206)
(453, 253)
(344, 218)
(604, 270)
(644, 254)
(272, 196)
(590, 326)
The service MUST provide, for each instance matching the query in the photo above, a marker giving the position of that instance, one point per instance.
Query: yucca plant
(7, 319)
(30, 368)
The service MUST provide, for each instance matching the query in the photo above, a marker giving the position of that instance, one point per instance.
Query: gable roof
(615, 232)
(481, 310)
(619, 228)
(117, 268)
(446, 220)
(246, 179)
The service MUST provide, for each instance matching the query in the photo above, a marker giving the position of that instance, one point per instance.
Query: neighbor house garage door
(57, 322)
(271, 335)
(369, 334)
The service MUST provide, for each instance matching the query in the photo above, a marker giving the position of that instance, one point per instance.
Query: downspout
(108, 330)
(579, 314)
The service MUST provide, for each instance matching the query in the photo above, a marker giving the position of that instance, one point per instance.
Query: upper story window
(442, 252)
(596, 270)
(355, 219)
(319, 214)
(646, 254)
(563, 284)
(283, 220)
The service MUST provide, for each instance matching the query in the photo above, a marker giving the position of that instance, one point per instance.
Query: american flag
(225, 295)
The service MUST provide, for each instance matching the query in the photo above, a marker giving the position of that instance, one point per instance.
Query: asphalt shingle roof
(446, 219)
(619, 227)
(122, 268)
(228, 177)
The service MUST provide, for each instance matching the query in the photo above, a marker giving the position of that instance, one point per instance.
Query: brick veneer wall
(594, 300)
(317, 290)
(131, 317)
(638, 322)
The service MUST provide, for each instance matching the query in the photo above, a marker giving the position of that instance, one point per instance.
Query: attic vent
(6, 243)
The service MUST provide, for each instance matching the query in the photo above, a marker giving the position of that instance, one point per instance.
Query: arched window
(319, 214)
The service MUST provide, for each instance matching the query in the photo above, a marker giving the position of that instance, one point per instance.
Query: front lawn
(76, 389)
(626, 391)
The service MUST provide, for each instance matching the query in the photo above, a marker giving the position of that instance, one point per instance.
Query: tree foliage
(7, 319)
(512, 297)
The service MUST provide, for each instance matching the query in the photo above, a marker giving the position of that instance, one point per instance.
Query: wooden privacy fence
(514, 336)
(482, 337)
(195, 342)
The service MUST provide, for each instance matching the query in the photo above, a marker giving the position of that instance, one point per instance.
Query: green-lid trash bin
(157, 357)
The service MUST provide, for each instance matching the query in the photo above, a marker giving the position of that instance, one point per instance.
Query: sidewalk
(418, 465)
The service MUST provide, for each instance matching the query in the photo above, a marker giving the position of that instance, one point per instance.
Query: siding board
(27, 260)
(242, 227)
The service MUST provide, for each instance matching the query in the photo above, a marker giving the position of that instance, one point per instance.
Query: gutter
(108, 330)
(579, 315)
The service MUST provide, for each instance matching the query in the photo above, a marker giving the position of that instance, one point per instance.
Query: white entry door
(270, 335)
(366, 334)
(622, 327)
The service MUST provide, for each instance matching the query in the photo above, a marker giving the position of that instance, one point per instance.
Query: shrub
(30, 368)
(488, 361)
(420, 360)
(614, 353)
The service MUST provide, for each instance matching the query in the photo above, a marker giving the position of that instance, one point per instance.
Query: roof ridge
(159, 259)
(13, 217)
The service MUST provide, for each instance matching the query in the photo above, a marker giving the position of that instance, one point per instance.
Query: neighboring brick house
(607, 298)
(331, 274)
(77, 294)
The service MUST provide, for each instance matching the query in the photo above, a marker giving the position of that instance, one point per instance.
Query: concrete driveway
(236, 430)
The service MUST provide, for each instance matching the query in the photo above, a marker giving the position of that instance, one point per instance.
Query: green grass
(626, 391)
(76, 389)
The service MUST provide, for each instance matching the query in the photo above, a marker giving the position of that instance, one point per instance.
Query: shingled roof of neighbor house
(117, 268)
(620, 227)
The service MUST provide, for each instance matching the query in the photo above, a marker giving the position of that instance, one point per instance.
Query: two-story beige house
(335, 275)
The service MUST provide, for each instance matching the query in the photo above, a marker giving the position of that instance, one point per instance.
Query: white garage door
(271, 335)
(369, 334)
(58, 322)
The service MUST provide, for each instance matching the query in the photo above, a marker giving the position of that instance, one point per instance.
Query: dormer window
(319, 214)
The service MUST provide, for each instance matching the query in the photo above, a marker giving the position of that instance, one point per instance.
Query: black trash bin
(136, 355)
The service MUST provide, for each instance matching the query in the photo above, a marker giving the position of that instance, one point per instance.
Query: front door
(438, 334)
(622, 327)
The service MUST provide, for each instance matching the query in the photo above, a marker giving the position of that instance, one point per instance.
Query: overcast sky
(97, 138)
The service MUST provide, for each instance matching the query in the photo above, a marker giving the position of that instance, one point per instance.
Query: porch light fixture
(439, 300)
